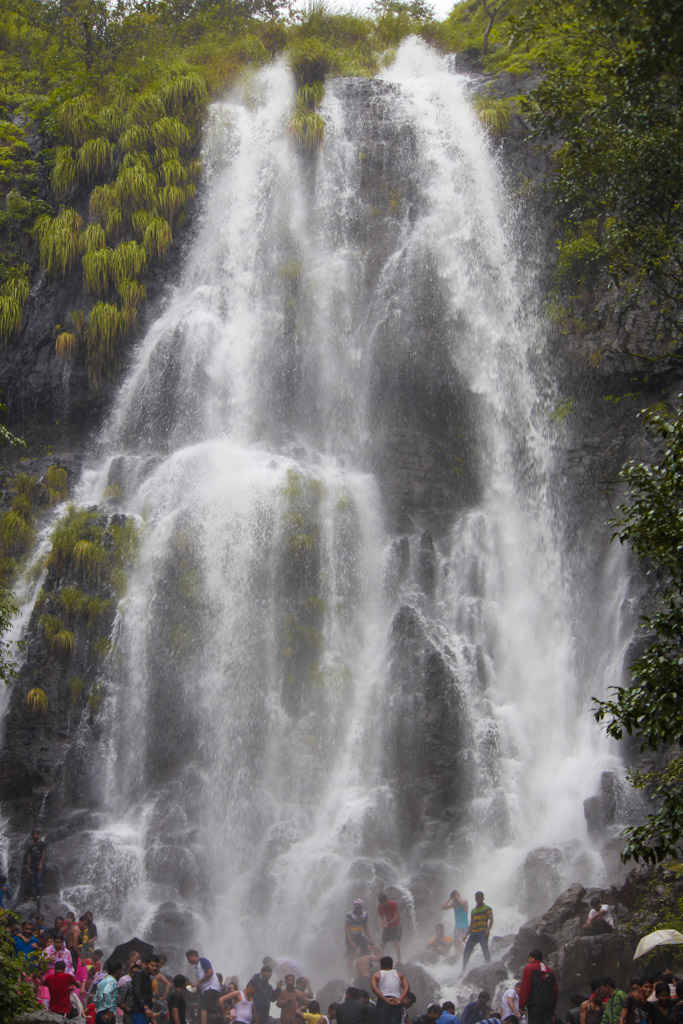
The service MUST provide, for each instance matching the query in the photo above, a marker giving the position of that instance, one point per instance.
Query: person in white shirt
(390, 987)
(599, 918)
(509, 1010)
(243, 1004)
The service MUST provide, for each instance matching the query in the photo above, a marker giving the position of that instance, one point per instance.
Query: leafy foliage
(17, 993)
(651, 709)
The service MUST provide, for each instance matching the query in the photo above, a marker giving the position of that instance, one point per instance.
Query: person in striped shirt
(481, 920)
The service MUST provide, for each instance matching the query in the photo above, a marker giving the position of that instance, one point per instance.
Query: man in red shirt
(538, 992)
(390, 922)
(60, 985)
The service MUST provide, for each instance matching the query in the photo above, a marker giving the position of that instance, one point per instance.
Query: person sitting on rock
(538, 991)
(365, 966)
(479, 1009)
(440, 945)
(599, 920)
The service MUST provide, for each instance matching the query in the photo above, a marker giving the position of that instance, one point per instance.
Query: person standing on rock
(34, 864)
(389, 920)
(538, 992)
(264, 993)
(356, 931)
(206, 982)
(460, 907)
(391, 988)
(481, 922)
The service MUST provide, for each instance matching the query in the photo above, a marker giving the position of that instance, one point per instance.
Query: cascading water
(346, 657)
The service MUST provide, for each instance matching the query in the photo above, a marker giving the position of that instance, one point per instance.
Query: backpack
(542, 995)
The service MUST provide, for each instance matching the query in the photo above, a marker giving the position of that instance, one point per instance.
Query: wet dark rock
(39, 1017)
(601, 810)
(331, 992)
(173, 865)
(421, 982)
(425, 765)
(485, 977)
(562, 922)
(540, 878)
(171, 931)
(595, 956)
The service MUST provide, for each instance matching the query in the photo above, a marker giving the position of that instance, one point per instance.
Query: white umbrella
(662, 937)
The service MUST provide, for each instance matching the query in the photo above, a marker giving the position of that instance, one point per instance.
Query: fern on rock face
(64, 177)
(66, 344)
(13, 296)
(58, 239)
(157, 237)
(95, 158)
(98, 270)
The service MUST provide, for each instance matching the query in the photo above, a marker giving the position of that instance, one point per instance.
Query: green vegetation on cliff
(651, 709)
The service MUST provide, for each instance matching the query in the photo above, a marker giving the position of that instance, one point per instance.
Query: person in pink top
(81, 974)
(57, 951)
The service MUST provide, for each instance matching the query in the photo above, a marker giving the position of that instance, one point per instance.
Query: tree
(17, 994)
(651, 710)
(610, 102)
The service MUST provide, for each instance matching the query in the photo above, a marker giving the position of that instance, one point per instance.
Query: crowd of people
(132, 986)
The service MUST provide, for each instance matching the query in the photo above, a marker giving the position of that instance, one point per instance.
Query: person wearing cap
(356, 931)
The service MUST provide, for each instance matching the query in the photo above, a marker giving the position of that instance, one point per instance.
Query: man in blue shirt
(478, 1010)
(25, 942)
(207, 983)
(448, 1014)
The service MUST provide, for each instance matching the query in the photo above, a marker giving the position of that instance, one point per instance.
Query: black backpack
(542, 995)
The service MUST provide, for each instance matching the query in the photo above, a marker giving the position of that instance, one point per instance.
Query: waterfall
(347, 654)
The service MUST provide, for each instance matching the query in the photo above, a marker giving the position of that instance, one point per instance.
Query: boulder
(421, 982)
(540, 878)
(600, 811)
(40, 1017)
(594, 956)
(561, 923)
(486, 977)
(331, 992)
